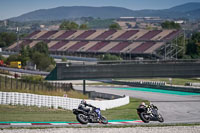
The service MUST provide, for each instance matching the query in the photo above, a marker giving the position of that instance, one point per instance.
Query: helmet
(143, 103)
(83, 102)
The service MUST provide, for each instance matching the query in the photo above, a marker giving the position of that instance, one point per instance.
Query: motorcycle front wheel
(160, 118)
(82, 118)
(144, 117)
(104, 120)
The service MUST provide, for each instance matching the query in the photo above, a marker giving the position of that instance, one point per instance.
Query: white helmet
(143, 103)
(83, 102)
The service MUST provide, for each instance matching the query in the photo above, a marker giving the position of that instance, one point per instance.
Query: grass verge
(43, 114)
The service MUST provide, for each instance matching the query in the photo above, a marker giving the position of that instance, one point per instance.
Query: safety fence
(7, 83)
(141, 83)
(192, 84)
(27, 99)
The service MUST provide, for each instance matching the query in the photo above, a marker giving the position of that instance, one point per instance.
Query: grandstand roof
(100, 41)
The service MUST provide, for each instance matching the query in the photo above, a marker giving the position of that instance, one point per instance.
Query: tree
(24, 55)
(115, 26)
(83, 27)
(41, 47)
(2, 58)
(6, 39)
(67, 25)
(74, 26)
(170, 25)
(42, 61)
(13, 57)
(64, 59)
(110, 57)
(193, 46)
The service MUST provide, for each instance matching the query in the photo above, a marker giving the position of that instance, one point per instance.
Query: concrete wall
(15, 98)
(174, 70)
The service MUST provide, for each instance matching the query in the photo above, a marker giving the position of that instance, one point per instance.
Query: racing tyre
(144, 117)
(160, 118)
(82, 118)
(104, 120)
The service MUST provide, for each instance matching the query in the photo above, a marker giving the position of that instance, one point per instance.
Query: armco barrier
(15, 98)
(162, 87)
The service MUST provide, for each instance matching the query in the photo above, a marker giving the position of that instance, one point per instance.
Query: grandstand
(126, 43)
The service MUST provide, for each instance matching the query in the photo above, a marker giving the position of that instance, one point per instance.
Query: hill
(74, 12)
(59, 13)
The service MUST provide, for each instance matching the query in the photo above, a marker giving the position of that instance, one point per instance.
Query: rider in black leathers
(83, 105)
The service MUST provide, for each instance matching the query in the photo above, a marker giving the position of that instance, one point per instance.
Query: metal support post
(84, 87)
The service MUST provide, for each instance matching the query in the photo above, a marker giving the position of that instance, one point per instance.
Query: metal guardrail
(149, 61)
(24, 71)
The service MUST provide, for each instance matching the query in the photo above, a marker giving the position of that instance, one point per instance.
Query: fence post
(21, 84)
(5, 82)
(42, 85)
(11, 82)
(29, 85)
(56, 86)
(16, 84)
(0, 81)
(38, 86)
(34, 87)
(25, 84)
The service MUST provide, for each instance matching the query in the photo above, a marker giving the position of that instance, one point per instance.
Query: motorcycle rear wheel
(82, 118)
(144, 118)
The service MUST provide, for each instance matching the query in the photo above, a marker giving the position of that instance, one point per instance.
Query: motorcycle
(89, 116)
(149, 113)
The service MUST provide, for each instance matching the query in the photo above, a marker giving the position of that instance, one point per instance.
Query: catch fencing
(7, 83)
(27, 99)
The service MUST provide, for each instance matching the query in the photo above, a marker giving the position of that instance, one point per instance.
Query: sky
(14, 8)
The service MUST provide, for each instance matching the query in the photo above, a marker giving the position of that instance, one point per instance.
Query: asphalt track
(176, 107)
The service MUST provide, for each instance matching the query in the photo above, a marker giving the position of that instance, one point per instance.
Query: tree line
(38, 55)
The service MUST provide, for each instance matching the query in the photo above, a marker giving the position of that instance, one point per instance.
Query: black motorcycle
(85, 116)
(149, 113)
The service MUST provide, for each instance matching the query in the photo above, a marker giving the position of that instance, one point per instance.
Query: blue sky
(13, 8)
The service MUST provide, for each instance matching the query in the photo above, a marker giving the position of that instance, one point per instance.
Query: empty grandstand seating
(119, 47)
(101, 41)
(149, 35)
(171, 35)
(77, 46)
(154, 47)
(87, 46)
(108, 46)
(85, 34)
(130, 47)
(41, 33)
(48, 34)
(127, 34)
(33, 43)
(58, 45)
(32, 34)
(66, 34)
(98, 46)
(105, 34)
(23, 43)
(143, 47)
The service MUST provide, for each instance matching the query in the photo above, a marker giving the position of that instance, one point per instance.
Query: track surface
(175, 108)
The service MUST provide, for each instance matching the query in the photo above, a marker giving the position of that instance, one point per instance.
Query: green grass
(126, 112)
(35, 114)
